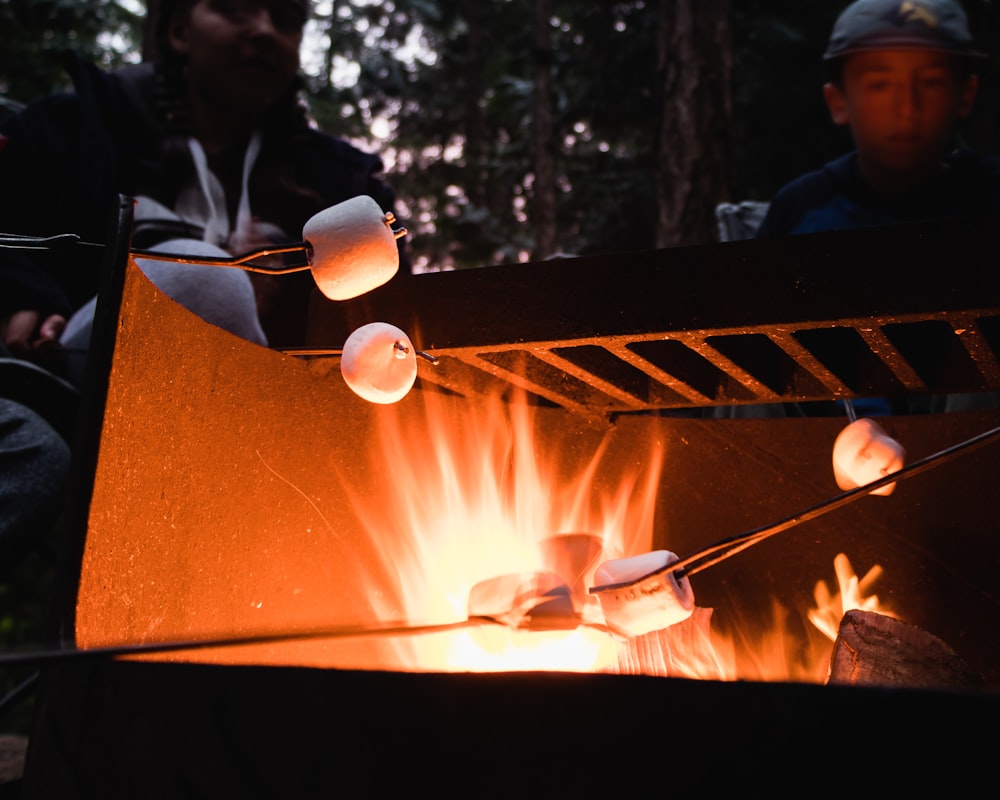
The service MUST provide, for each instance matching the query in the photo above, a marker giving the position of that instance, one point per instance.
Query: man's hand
(30, 336)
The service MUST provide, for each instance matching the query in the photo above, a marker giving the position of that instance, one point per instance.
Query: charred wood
(877, 650)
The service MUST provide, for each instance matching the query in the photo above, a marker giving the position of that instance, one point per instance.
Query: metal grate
(902, 311)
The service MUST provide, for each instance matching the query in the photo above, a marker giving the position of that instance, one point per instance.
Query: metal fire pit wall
(220, 486)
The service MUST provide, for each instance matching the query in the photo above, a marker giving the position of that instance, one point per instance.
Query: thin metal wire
(244, 261)
(12, 241)
(852, 413)
(70, 652)
(726, 548)
(18, 692)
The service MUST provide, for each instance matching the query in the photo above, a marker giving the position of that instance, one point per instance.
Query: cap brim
(829, 55)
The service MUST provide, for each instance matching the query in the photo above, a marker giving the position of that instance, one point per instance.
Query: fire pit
(247, 499)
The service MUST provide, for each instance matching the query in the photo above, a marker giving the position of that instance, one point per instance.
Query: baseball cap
(901, 25)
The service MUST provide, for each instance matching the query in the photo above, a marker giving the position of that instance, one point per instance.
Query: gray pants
(34, 467)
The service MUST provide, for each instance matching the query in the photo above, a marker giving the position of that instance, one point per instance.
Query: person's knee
(223, 296)
(34, 459)
(35, 465)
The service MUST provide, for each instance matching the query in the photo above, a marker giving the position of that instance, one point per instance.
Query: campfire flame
(853, 594)
(480, 495)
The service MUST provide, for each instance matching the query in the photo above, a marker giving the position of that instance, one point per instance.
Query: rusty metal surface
(894, 312)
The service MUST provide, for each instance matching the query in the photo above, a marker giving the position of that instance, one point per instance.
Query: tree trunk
(544, 142)
(473, 12)
(331, 47)
(149, 30)
(692, 176)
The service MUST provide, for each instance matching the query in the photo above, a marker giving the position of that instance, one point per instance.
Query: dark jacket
(66, 159)
(836, 197)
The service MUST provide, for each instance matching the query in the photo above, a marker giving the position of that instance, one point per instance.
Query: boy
(902, 77)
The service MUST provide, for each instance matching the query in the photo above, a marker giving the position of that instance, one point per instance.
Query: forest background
(517, 130)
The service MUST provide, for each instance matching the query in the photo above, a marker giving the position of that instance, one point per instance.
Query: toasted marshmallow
(379, 363)
(863, 452)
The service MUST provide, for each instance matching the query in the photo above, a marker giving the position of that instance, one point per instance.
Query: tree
(691, 148)
(37, 32)
(544, 207)
(513, 129)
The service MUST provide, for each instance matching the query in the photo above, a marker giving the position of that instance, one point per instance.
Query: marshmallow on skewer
(863, 452)
(379, 363)
(536, 600)
(353, 248)
(638, 597)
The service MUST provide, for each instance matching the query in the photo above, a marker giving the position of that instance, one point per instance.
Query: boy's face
(902, 107)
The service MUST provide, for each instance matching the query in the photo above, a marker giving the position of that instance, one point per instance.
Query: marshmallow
(536, 600)
(638, 597)
(354, 249)
(863, 453)
(379, 363)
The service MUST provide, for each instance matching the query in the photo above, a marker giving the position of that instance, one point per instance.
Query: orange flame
(477, 499)
(830, 608)
(479, 493)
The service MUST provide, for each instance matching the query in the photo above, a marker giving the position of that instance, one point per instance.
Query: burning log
(878, 650)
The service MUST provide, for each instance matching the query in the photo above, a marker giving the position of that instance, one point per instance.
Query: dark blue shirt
(836, 197)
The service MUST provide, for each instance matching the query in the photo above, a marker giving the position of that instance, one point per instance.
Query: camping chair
(739, 220)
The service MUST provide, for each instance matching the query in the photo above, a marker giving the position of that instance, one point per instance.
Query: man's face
(902, 106)
(242, 54)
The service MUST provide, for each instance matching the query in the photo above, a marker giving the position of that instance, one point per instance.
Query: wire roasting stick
(350, 248)
(726, 548)
(71, 652)
(245, 261)
(40, 658)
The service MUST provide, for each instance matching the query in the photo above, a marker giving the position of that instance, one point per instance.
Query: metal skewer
(852, 413)
(245, 261)
(38, 658)
(56, 654)
(726, 548)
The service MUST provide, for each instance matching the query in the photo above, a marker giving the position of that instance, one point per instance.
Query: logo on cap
(915, 12)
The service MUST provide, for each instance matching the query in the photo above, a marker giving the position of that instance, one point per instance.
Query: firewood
(878, 650)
